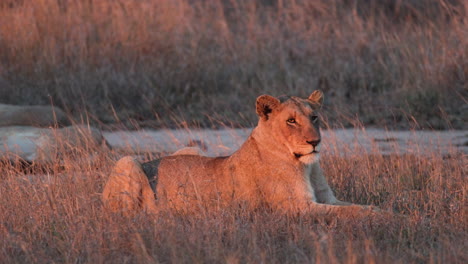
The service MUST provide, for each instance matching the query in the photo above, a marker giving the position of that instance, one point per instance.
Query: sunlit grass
(54, 213)
(187, 63)
(153, 62)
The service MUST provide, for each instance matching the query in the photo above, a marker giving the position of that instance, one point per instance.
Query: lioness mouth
(298, 155)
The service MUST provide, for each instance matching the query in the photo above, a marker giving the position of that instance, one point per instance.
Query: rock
(33, 115)
(44, 145)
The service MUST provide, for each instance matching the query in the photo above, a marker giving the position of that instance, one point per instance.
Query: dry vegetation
(169, 63)
(155, 62)
(54, 214)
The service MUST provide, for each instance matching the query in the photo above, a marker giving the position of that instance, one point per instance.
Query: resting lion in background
(277, 166)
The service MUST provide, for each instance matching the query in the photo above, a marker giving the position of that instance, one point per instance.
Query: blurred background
(155, 63)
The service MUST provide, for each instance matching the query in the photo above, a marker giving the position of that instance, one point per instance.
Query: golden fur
(278, 166)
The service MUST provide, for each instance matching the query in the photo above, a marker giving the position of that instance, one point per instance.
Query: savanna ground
(399, 64)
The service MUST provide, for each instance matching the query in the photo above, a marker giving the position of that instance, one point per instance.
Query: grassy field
(155, 63)
(184, 63)
(54, 214)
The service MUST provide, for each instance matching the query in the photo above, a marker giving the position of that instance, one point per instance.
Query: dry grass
(56, 215)
(155, 62)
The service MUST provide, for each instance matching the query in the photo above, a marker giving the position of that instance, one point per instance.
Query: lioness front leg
(304, 206)
(329, 212)
(324, 194)
(322, 191)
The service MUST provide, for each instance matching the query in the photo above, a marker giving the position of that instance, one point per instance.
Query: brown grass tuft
(392, 63)
(56, 215)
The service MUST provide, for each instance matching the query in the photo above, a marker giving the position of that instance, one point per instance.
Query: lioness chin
(277, 166)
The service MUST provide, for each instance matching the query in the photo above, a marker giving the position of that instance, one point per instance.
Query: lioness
(277, 166)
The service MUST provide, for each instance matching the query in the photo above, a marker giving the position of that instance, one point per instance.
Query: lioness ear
(316, 97)
(265, 105)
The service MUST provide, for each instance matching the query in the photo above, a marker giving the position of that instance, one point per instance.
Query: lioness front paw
(359, 211)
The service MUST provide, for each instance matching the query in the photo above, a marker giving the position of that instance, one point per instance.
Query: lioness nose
(314, 142)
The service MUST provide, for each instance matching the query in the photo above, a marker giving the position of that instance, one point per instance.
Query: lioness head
(292, 124)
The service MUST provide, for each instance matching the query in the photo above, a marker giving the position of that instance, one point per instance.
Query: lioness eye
(314, 118)
(291, 121)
